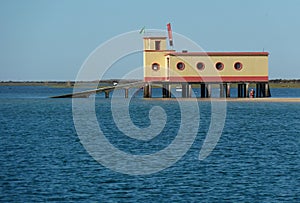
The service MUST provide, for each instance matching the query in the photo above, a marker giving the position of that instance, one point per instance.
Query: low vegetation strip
(274, 83)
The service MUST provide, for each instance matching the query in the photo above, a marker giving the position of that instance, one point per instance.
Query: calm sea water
(257, 158)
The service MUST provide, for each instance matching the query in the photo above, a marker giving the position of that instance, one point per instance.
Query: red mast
(170, 34)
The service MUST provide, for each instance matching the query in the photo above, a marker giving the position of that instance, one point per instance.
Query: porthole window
(238, 66)
(180, 66)
(200, 66)
(155, 66)
(219, 66)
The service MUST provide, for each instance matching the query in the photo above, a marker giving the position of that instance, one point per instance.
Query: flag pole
(142, 31)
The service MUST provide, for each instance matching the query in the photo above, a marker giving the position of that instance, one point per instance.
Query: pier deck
(87, 93)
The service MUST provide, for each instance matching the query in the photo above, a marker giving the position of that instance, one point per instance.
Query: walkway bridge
(87, 93)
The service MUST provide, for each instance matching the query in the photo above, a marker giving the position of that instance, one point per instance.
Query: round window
(200, 66)
(155, 66)
(238, 66)
(180, 66)
(219, 66)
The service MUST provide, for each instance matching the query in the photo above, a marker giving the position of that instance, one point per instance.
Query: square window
(157, 45)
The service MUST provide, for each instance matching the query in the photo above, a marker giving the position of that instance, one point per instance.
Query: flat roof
(217, 54)
(150, 37)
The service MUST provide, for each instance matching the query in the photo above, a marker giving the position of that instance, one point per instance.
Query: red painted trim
(210, 79)
(218, 54)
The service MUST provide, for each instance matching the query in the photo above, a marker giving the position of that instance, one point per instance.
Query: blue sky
(50, 39)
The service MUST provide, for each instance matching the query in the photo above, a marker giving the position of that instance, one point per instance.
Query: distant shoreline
(276, 83)
(60, 84)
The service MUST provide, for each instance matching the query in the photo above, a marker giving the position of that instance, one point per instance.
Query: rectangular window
(157, 45)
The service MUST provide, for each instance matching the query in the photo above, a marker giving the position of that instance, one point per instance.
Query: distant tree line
(285, 81)
(120, 80)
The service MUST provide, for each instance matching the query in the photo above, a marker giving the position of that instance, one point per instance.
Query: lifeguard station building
(191, 70)
(203, 70)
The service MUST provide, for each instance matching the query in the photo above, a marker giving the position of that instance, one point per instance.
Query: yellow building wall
(254, 65)
(155, 57)
(254, 68)
(152, 56)
(149, 43)
(251, 65)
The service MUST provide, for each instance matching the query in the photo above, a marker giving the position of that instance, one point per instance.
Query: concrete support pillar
(166, 90)
(242, 93)
(246, 90)
(168, 87)
(126, 92)
(227, 89)
(221, 90)
(258, 90)
(239, 91)
(203, 90)
(184, 90)
(189, 92)
(263, 89)
(150, 90)
(243, 90)
(147, 90)
(267, 90)
(208, 89)
(106, 94)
